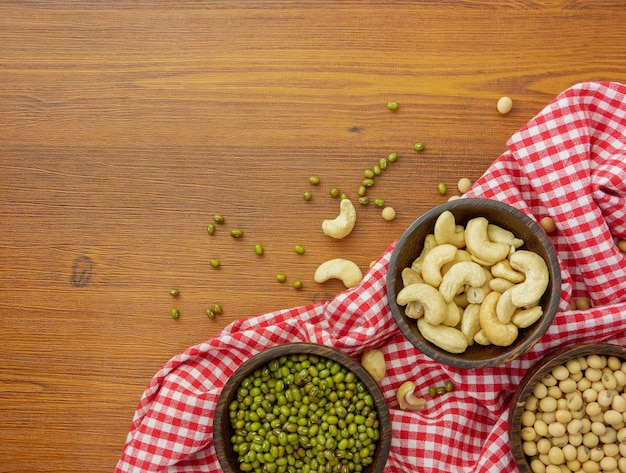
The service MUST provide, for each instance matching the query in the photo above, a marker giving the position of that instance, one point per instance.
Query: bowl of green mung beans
(301, 407)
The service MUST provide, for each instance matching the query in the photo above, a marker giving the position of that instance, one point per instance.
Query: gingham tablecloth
(568, 163)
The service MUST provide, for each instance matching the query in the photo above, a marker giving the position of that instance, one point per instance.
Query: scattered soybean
(504, 105)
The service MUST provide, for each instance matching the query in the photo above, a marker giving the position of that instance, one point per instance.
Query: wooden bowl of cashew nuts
(474, 283)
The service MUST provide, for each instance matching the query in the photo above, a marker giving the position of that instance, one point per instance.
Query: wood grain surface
(125, 125)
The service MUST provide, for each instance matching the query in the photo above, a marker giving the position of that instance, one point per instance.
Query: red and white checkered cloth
(568, 163)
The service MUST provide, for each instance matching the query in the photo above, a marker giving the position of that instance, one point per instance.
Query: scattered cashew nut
(407, 399)
(373, 360)
(339, 268)
(342, 225)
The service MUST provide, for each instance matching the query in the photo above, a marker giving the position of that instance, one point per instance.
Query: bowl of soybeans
(568, 413)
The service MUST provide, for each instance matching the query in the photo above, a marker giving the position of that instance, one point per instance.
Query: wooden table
(126, 125)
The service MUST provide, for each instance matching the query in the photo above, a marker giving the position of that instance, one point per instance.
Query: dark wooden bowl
(222, 429)
(555, 358)
(410, 245)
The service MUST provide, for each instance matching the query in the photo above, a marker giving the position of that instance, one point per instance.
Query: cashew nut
(536, 280)
(479, 244)
(448, 338)
(434, 260)
(470, 322)
(447, 231)
(526, 317)
(414, 310)
(500, 284)
(505, 308)
(498, 333)
(481, 338)
(429, 244)
(407, 399)
(460, 255)
(339, 268)
(410, 276)
(475, 295)
(458, 276)
(501, 235)
(373, 361)
(342, 225)
(454, 315)
(435, 308)
(503, 269)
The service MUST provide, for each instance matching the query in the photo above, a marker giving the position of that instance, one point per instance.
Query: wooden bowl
(410, 245)
(555, 358)
(222, 428)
